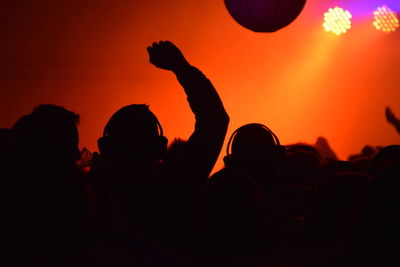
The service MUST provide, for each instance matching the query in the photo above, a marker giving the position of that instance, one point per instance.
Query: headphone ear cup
(163, 146)
(231, 162)
(281, 153)
(227, 161)
(159, 147)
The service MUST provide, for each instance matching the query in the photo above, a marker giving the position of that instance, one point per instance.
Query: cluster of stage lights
(338, 21)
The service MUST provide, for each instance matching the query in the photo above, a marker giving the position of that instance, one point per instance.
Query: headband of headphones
(157, 147)
(262, 126)
(159, 127)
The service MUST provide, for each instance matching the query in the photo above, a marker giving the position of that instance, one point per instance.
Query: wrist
(181, 67)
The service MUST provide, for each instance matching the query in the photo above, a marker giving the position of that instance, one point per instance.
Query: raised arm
(205, 144)
(392, 119)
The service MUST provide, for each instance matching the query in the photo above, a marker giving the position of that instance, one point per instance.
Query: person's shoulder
(229, 177)
(225, 173)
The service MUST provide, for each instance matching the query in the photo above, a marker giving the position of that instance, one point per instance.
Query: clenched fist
(165, 55)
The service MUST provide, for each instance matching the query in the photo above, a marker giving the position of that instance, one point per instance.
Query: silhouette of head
(49, 135)
(301, 167)
(133, 133)
(384, 157)
(301, 147)
(253, 144)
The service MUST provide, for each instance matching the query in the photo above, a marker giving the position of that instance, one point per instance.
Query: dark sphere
(264, 15)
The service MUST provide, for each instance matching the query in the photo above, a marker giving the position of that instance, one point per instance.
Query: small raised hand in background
(392, 119)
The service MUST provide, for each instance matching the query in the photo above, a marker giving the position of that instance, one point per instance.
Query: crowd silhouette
(140, 202)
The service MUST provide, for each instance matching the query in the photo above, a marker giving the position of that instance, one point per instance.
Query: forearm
(203, 99)
(205, 144)
(397, 126)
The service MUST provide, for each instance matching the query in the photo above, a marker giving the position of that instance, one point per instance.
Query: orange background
(90, 57)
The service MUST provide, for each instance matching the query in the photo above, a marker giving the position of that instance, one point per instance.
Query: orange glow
(337, 20)
(385, 20)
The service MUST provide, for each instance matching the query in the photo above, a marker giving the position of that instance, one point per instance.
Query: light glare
(385, 19)
(337, 20)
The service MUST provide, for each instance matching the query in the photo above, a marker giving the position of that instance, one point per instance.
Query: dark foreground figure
(157, 196)
(43, 199)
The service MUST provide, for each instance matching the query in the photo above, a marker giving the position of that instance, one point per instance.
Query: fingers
(164, 54)
(156, 45)
(389, 112)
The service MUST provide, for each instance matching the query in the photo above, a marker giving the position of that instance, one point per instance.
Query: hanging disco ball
(264, 15)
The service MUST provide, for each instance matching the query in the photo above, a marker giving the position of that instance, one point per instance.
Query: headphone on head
(279, 151)
(157, 147)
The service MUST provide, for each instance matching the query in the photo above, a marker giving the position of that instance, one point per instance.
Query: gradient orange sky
(302, 82)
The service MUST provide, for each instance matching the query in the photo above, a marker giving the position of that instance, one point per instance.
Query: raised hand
(392, 119)
(165, 55)
(390, 116)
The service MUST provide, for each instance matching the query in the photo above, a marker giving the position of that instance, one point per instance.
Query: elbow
(225, 119)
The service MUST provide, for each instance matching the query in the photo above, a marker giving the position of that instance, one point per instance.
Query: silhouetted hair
(49, 131)
(253, 141)
(133, 132)
(134, 119)
(46, 117)
(384, 157)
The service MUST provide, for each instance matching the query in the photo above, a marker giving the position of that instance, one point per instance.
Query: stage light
(385, 19)
(337, 20)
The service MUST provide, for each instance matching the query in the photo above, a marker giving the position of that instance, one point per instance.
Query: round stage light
(337, 20)
(385, 19)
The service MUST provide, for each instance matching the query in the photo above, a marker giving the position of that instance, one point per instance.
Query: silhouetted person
(392, 119)
(159, 197)
(47, 219)
(326, 151)
(330, 170)
(303, 147)
(380, 233)
(302, 164)
(335, 217)
(301, 168)
(256, 150)
(248, 211)
(386, 156)
(49, 137)
(364, 160)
